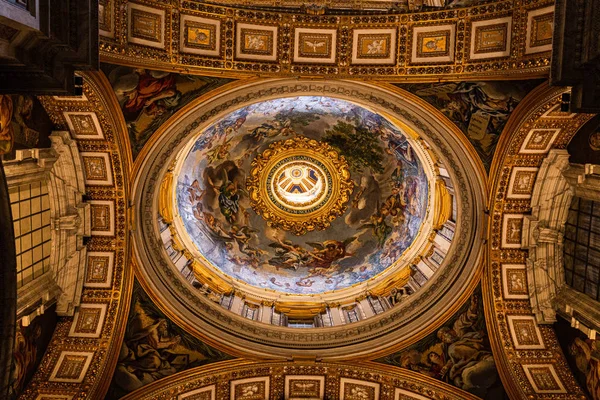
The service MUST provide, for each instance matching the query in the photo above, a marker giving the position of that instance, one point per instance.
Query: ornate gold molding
(93, 378)
(443, 204)
(303, 156)
(531, 131)
(409, 54)
(390, 380)
(300, 310)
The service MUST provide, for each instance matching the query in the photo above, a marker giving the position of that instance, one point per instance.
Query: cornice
(463, 58)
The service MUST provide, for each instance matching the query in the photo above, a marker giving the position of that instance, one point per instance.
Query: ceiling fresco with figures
(302, 195)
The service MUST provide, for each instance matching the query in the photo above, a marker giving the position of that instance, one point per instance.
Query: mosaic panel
(88, 320)
(555, 113)
(302, 387)
(250, 389)
(205, 393)
(374, 46)
(543, 378)
(99, 270)
(97, 168)
(540, 24)
(490, 38)
(401, 394)
(539, 141)
(173, 350)
(84, 125)
(103, 217)
(514, 282)
(256, 42)
(146, 25)
(525, 332)
(315, 45)
(522, 181)
(354, 389)
(71, 366)
(200, 35)
(512, 227)
(433, 43)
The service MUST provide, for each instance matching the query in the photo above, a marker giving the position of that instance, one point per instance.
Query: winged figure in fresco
(229, 196)
(220, 151)
(289, 255)
(377, 223)
(242, 235)
(195, 192)
(272, 129)
(323, 259)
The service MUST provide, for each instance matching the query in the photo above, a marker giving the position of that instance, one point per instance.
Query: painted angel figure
(289, 255)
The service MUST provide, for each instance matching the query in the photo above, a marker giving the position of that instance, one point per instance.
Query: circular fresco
(301, 195)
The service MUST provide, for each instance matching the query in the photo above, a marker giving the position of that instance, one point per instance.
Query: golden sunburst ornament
(299, 185)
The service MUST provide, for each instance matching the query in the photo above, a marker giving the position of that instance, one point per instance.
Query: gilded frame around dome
(319, 216)
(394, 328)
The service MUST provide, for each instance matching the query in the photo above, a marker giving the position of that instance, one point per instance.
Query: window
(437, 257)
(447, 232)
(376, 304)
(324, 320)
(226, 301)
(250, 311)
(278, 319)
(351, 314)
(418, 276)
(582, 247)
(30, 205)
(301, 324)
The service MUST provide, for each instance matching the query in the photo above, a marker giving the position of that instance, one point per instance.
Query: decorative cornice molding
(389, 379)
(195, 37)
(532, 130)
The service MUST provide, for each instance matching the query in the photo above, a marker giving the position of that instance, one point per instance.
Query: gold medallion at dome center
(299, 185)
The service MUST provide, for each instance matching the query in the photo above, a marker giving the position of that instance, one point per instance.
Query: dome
(287, 205)
(301, 195)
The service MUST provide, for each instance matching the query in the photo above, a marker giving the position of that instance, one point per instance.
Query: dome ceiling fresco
(301, 195)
